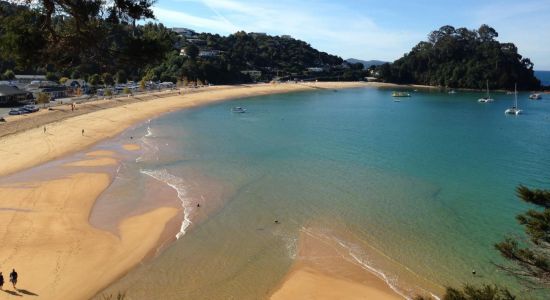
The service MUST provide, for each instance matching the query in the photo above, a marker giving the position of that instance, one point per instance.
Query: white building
(186, 32)
(315, 69)
(209, 53)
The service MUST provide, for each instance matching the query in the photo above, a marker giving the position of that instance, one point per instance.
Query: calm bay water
(544, 77)
(428, 181)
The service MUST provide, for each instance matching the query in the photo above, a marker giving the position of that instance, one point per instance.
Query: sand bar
(131, 147)
(99, 162)
(57, 254)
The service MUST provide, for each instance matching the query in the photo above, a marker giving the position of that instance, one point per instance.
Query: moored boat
(487, 98)
(400, 94)
(514, 110)
(535, 96)
(238, 109)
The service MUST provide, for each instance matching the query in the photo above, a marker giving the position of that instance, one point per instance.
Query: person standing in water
(1, 281)
(13, 278)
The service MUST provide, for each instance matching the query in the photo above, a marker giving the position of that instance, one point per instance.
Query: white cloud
(328, 27)
(177, 18)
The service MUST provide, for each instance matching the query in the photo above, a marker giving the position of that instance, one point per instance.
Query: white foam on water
(354, 252)
(178, 184)
(147, 145)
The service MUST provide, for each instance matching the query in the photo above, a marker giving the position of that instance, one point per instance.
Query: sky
(368, 29)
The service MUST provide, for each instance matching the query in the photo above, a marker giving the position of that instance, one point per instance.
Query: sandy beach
(48, 236)
(323, 271)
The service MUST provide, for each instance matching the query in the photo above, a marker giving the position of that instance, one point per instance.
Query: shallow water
(419, 189)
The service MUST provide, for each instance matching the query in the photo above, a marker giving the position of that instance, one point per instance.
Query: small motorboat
(485, 100)
(400, 94)
(238, 109)
(535, 96)
(452, 92)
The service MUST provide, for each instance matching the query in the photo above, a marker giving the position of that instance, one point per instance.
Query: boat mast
(488, 96)
(516, 95)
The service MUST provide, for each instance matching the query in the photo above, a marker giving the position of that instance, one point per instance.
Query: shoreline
(321, 270)
(26, 148)
(30, 148)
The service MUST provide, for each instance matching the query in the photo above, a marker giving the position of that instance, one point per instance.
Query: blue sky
(369, 29)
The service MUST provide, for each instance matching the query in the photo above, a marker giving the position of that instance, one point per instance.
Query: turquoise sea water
(428, 181)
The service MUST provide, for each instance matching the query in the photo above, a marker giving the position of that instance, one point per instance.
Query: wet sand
(55, 250)
(323, 271)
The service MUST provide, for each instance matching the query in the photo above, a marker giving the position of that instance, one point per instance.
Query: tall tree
(530, 257)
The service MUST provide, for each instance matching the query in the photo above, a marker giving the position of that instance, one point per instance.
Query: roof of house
(70, 81)
(8, 90)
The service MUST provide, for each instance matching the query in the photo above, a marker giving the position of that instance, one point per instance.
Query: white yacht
(487, 98)
(535, 96)
(514, 110)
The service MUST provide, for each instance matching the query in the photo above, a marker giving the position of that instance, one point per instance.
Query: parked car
(17, 111)
(30, 108)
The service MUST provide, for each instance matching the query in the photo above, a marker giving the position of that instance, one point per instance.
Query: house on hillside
(209, 53)
(30, 78)
(315, 70)
(185, 32)
(254, 74)
(51, 88)
(12, 96)
(76, 86)
(258, 34)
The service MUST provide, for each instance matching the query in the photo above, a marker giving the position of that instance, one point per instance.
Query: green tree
(52, 76)
(62, 80)
(42, 98)
(530, 257)
(469, 292)
(94, 80)
(121, 77)
(107, 79)
(192, 51)
(463, 58)
(9, 75)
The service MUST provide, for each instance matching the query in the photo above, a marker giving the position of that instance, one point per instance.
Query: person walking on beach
(82, 132)
(1, 281)
(13, 278)
(44, 129)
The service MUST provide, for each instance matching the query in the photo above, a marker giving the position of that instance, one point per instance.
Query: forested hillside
(79, 39)
(462, 58)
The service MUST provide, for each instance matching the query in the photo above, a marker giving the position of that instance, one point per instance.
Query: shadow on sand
(26, 292)
(12, 293)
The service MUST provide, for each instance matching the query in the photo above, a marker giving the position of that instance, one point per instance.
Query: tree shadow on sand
(12, 293)
(26, 292)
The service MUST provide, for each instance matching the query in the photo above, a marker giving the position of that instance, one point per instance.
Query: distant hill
(463, 58)
(366, 63)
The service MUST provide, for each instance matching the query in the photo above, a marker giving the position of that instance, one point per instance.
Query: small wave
(149, 131)
(178, 184)
(148, 146)
(354, 252)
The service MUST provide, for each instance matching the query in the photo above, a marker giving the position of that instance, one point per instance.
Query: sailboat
(514, 110)
(487, 98)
